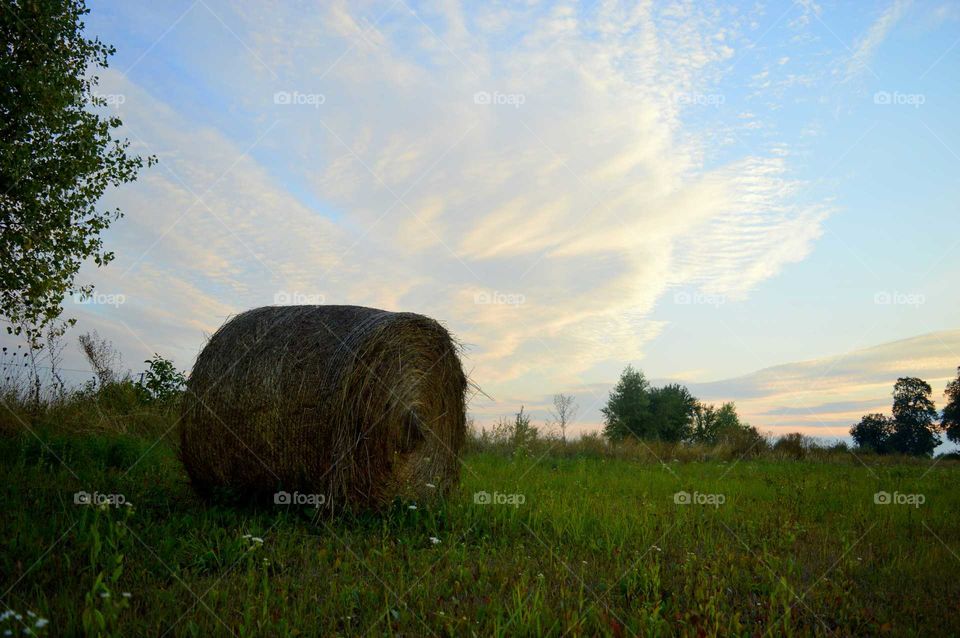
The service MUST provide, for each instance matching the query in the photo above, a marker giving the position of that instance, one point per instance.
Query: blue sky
(732, 195)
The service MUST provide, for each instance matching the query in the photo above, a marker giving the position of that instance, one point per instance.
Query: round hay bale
(356, 404)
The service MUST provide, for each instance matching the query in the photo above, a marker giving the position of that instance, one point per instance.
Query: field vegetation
(104, 536)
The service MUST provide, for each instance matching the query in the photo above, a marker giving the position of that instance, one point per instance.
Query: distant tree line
(915, 425)
(670, 413)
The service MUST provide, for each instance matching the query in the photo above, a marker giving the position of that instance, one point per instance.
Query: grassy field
(577, 545)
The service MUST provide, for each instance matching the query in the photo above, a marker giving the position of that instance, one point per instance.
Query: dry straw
(355, 404)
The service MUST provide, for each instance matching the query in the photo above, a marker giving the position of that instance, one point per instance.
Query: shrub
(745, 441)
(162, 383)
(792, 445)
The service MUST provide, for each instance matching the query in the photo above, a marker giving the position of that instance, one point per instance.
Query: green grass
(598, 547)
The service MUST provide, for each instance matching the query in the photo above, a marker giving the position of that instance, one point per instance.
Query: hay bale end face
(355, 404)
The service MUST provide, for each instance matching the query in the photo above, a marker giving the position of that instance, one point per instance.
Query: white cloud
(580, 188)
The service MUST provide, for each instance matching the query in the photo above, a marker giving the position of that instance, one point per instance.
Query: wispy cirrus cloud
(866, 46)
(534, 176)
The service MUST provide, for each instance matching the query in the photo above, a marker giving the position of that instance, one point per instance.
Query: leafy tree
(913, 428)
(873, 433)
(162, 382)
(704, 426)
(672, 409)
(57, 157)
(951, 413)
(711, 424)
(728, 420)
(668, 413)
(627, 412)
(915, 418)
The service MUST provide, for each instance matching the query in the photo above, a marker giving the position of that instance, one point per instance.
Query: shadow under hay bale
(352, 405)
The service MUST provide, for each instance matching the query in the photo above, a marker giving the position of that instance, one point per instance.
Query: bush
(792, 445)
(516, 436)
(840, 447)
(162, 383)
(743, 442)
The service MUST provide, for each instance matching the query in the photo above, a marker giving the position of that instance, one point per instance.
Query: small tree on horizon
(913, 428)
(672, 410)
(711, 424)
(521, 432)
(950, 421)
(915, 418)
(873, 433)
(628, 407)
(564, 412)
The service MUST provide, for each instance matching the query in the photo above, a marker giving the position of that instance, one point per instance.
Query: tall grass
(116, 407)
